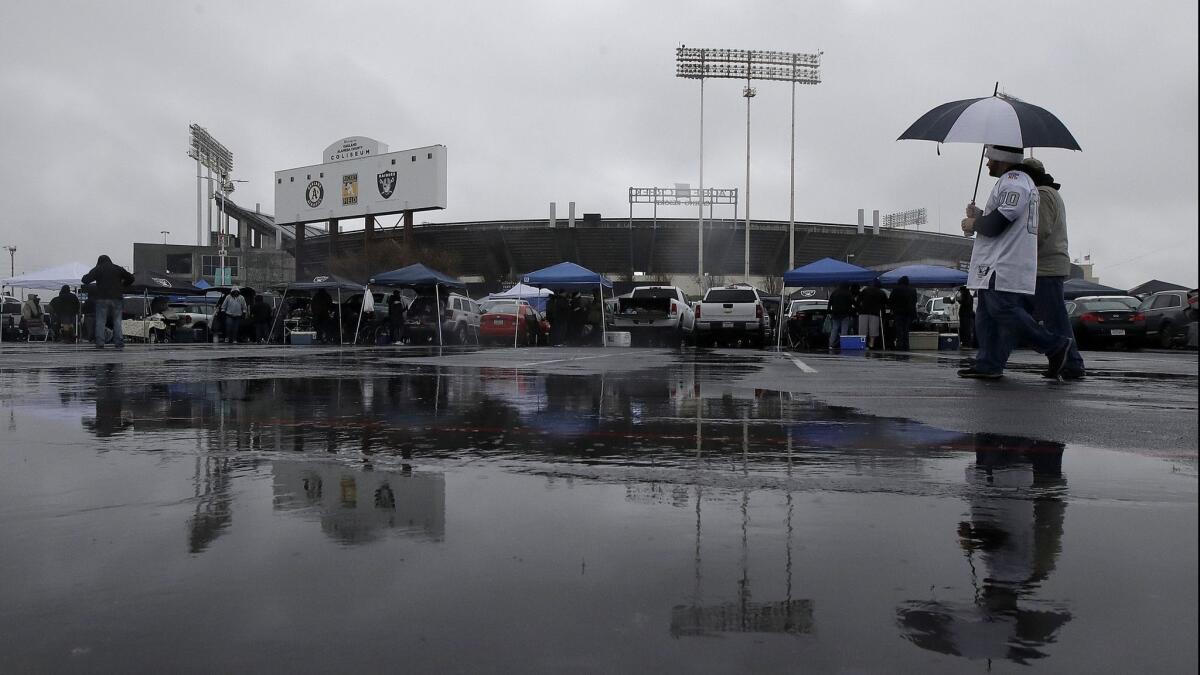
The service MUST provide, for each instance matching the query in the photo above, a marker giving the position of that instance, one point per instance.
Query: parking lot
(598, 509)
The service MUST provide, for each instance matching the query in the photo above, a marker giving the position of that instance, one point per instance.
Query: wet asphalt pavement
(203, 509)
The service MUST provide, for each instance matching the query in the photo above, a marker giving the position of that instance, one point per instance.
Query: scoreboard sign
(361, 177)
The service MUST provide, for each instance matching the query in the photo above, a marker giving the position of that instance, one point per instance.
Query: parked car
(939, 314)
(10, 311)
(731, 314)
(1111, 323)
(656, 313)
(496, 325)
(459, 317)
(806, 323)
(1129, 300)
(1166, 317)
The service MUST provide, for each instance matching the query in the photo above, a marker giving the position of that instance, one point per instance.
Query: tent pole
(603, 327)
(779, 321)
(437, 310)
(358, 324)
(516, 322)
(339, 318)
(282, 304)
(145, 332)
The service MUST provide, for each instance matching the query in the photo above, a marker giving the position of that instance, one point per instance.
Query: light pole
(12, 252)
(740, 64)
(223, 225)
(164, 233)
(849, 257)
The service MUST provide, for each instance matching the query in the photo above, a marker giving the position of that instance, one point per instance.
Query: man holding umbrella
(1004, 269)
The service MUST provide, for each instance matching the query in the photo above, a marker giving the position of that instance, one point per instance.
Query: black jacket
(872, 301)
(110, 279)
(903, 301)
(841, 303)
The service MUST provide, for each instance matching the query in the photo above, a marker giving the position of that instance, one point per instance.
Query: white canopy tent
(48, 279)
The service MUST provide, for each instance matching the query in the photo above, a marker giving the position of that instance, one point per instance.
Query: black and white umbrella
(994, 120)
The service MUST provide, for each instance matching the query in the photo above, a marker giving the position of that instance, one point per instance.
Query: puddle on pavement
(499, 519)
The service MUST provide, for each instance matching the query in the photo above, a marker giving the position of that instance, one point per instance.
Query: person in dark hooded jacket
(65, 310)
(110, 281)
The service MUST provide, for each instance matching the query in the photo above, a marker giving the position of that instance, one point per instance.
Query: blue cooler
(948, 342)
(853, 342)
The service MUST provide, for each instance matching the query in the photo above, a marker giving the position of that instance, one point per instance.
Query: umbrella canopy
(51, 278)
(925, 276)
(416, 276)
(565, 275)
(827, 272)
(1077, 288)
(329, 282)
(995, 120)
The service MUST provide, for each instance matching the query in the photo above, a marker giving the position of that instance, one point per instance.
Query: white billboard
(366, 183)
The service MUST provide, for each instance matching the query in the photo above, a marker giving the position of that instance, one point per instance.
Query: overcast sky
(577, 101)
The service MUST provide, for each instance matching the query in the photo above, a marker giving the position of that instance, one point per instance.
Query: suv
(460, 319)
(731, 313)
(1166, 317)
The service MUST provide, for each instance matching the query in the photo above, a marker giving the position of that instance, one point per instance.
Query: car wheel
(1164, 335)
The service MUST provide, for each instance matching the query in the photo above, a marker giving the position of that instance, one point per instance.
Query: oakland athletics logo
(314, 193)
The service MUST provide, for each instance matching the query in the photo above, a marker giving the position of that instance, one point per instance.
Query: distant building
(1085, 266)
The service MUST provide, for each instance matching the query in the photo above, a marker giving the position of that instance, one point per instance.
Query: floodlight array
(905, 218)
(742, 64)
(210, 152)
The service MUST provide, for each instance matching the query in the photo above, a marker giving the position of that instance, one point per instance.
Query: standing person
(1053, 265)
(260, 316)
(65, 308)
(841, 307)
(871, 301)
(396, 309)
(903, 303)
(111, 280)
(966, 318)
(322, 302)
(234, 306)
(1004, 269)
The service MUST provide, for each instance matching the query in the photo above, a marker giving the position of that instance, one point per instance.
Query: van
(459, 318)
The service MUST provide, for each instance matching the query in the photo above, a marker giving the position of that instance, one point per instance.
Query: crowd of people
(575, 319)
(872, 313)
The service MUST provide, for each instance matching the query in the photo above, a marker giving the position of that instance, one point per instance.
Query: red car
(496, 324)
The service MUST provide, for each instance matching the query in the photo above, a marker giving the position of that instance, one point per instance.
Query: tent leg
(358, 324)
(282, 304)
(779, 320)
(145, 332)
(437, 308)
(603, 323)
(339, 316)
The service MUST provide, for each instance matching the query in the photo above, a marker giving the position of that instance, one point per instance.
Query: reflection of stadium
(356, 506)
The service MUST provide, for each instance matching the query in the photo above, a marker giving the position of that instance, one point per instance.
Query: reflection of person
(903, 303)
(1013, 543)
(1004, 269)
(110, 280)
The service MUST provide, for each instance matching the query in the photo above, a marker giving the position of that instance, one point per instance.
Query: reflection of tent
(925, 276)
(827, 272)
(976, 631)
(1077, 288)
(795, 617)
(51, 278)
(416, 276)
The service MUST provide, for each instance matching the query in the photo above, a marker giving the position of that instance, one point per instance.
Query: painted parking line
(578, 358)
(804, 367)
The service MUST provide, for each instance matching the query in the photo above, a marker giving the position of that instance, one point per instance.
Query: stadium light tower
(741, 64)
(214, 157)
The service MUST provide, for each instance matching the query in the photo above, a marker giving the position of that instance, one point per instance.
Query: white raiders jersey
(1011, 256)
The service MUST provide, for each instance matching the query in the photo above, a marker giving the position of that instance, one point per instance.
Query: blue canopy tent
(570, 276)
(823, 272)
(925, 276)
(419, 276)
(827, 272)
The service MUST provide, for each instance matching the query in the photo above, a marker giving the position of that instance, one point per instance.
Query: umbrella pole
(979, 173)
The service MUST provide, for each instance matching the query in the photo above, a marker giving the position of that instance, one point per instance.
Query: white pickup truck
(655, 314)
(730, 314)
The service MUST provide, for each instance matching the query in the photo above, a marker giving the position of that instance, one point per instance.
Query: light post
(849, 257)
(164, 233)
(740, 64)
(223, 225)
(12, 252)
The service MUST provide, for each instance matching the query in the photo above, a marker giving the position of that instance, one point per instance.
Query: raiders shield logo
(386, 182)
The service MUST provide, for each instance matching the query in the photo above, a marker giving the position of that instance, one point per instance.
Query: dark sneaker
(1058, 358)
(972, 373)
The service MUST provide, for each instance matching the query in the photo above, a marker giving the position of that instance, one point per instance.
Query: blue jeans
(232, 325)
(1051, 310)
(840, 327)
(1001, 322)
(104, 310)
